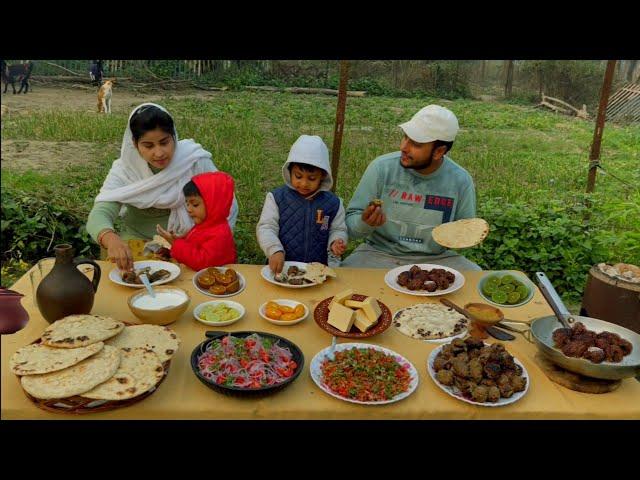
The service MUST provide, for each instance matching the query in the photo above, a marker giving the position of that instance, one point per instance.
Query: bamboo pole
(337, 134)
(594, 156)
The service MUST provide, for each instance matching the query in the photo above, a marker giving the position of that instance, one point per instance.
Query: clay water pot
(66, 290)
(13, 316)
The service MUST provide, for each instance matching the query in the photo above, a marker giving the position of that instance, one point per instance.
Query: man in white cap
(403, 195)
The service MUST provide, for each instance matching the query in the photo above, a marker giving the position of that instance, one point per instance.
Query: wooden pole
(337, 133)
(509, 79)
(594, 156)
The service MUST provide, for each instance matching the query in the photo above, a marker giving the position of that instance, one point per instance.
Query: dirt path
(46, 97)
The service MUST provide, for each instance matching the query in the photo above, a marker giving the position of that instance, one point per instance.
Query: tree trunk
(508, 85)
(483, 72)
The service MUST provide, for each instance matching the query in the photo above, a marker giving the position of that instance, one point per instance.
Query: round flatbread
(80, 330)
(37, 358)
(75, 380)
(139, 371)
(162, 340)
(428, 321)
(461, 233)
(317, 272)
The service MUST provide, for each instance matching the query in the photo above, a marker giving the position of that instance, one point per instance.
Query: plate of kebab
(424, 279)
(159, 273)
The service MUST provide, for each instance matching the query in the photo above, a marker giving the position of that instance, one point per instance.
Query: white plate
(116, 276)
(243, 284)
(316, 371)
(267, 274)
(455, 393)
(391, 280)
(431, 340)
(288, 303)
(228, 303)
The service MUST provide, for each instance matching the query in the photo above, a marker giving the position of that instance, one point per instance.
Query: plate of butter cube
(351, 315)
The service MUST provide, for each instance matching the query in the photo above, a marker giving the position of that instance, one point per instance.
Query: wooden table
(182, 396)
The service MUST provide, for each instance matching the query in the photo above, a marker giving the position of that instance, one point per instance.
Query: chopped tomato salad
(251, 362)
(366, 375)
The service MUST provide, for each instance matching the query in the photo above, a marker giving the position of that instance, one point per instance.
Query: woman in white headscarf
(144, 186)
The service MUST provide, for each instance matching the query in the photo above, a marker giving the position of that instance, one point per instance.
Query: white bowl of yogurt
(166, 307)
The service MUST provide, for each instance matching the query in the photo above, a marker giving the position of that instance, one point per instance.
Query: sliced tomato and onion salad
(366, 375)
(250, 362)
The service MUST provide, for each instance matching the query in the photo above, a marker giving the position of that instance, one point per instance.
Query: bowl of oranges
(283, 311)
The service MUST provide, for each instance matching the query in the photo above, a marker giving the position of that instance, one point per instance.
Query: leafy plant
(564, 239)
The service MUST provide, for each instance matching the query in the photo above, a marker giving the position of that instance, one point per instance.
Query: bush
(31, 228)
(563, 240)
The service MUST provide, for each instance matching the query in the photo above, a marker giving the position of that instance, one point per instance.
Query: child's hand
(168, 236)
(276, 262)
(338, 247)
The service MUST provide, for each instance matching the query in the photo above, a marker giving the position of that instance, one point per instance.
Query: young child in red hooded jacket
(210, 242)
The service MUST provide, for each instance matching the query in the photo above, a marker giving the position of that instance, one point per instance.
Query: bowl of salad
(246, 363)
(219, 313)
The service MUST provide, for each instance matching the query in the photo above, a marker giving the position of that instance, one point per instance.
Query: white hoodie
(312, 151)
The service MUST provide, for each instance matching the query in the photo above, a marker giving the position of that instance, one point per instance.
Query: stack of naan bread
(95, 357)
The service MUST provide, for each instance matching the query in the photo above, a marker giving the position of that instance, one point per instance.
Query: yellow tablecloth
(182, 396)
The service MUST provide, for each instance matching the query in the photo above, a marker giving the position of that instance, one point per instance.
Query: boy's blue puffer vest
(303, 238)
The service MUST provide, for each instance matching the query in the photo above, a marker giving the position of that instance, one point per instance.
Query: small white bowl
(228, 303)
(288, 303)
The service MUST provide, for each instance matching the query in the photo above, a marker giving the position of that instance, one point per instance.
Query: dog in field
(17, 72)
(104, 97)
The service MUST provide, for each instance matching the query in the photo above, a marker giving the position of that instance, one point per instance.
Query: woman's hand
(168, 236)
(338, 247)
(373, 216)
(276, 262)
(118, 251)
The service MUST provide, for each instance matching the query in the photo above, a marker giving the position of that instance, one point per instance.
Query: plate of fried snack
(219, 282)
(478, 373)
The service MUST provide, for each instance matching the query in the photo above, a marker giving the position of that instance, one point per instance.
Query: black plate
(297, 355)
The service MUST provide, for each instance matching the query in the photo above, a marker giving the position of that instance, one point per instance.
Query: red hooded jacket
(210, 243)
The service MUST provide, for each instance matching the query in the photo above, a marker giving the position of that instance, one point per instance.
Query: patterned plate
(321, 316)
(321, 356)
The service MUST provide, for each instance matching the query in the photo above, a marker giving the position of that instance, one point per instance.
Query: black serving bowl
(297, 355)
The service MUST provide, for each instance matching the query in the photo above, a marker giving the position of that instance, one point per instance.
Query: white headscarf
(131, 182)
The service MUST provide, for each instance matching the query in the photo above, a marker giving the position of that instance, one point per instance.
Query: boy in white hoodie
(302, 220)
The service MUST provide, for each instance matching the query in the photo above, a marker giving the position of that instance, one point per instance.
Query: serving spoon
(145, 280)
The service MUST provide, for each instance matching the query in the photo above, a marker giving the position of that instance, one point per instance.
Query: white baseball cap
(431, 123)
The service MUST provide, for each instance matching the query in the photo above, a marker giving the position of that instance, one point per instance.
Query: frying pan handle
(553, 299)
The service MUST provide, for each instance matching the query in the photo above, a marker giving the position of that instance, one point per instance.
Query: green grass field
(513, 152)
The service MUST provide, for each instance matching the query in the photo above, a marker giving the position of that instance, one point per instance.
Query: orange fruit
(285, 309)
(273, 313)
(273, 305)
(299, 311)
(289, 316)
